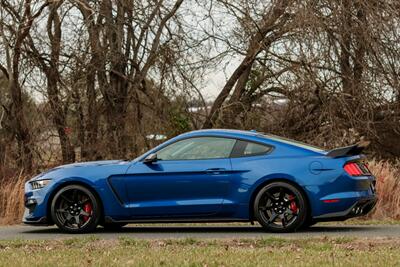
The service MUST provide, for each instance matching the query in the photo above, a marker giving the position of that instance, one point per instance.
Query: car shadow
(208, 229)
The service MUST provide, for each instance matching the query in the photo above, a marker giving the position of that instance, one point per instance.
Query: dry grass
(388, 188)
(12, 199)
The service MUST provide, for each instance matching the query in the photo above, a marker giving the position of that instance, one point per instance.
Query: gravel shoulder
(208, 231)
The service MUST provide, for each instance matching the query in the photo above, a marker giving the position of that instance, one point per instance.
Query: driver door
(190, 178)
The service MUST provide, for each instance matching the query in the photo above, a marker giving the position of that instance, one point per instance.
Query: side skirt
(108, 219)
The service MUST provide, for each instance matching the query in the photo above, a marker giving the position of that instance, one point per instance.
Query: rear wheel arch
(269, 181)
(68, 183)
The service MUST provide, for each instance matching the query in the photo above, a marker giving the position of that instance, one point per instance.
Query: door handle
(215, 170)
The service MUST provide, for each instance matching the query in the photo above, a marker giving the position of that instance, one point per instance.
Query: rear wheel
(280, 207)
(75, 209)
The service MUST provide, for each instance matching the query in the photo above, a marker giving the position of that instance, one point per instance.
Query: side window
(246, 149)
(198, 148)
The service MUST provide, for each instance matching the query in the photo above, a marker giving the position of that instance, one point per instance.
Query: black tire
(75, 209)
(283, 202)
(113, 226)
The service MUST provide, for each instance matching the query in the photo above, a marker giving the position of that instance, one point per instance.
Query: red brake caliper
(293, 205)
(87, 208)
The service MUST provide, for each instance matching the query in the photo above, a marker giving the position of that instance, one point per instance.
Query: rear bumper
(359, 208)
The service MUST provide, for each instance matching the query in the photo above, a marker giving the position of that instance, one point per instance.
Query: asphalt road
(210, 232)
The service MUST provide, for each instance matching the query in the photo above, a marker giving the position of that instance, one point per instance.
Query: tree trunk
(21, 130)
(53, 78)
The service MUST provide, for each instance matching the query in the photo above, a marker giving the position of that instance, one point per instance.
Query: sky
(214, 81)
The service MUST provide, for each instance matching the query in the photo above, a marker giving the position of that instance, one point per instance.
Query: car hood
(92, 163)
(81, 167)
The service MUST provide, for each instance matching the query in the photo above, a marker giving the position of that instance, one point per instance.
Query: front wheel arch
(269, 181)
(60, 186)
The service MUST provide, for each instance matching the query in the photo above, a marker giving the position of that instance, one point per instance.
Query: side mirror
(150, 158)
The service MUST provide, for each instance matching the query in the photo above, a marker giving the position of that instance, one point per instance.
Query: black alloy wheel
(75, 209)
(280, 207)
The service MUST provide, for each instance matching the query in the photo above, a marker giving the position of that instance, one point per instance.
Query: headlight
(38, 184)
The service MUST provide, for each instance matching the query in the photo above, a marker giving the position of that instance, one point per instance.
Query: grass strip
(91, 251)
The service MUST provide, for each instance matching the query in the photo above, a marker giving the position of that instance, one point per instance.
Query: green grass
(199, 252)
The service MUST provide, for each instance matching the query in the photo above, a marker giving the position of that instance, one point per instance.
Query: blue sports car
(207, 176)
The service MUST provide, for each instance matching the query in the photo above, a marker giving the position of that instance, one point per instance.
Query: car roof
(252, 135)
(226, 132)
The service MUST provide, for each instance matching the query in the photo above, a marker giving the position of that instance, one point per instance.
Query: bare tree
(116, 72)
(265, 31)
(50, 65)
(125, 44)
(16, 109)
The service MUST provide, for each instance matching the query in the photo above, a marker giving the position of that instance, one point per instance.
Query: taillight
(356, 169)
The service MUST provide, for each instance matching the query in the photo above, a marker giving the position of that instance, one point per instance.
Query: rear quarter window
(248, 149)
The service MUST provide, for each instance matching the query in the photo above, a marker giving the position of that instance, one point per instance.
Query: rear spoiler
(346, 151)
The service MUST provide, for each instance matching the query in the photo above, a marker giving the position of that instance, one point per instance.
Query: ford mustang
(207, 176)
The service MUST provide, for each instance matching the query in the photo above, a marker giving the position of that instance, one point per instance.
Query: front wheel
(280, 207)
(75, 209)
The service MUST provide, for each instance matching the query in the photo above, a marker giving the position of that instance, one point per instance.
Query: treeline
(111, 76)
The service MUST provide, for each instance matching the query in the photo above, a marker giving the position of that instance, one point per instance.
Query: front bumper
(35, 206)
(38, 222)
